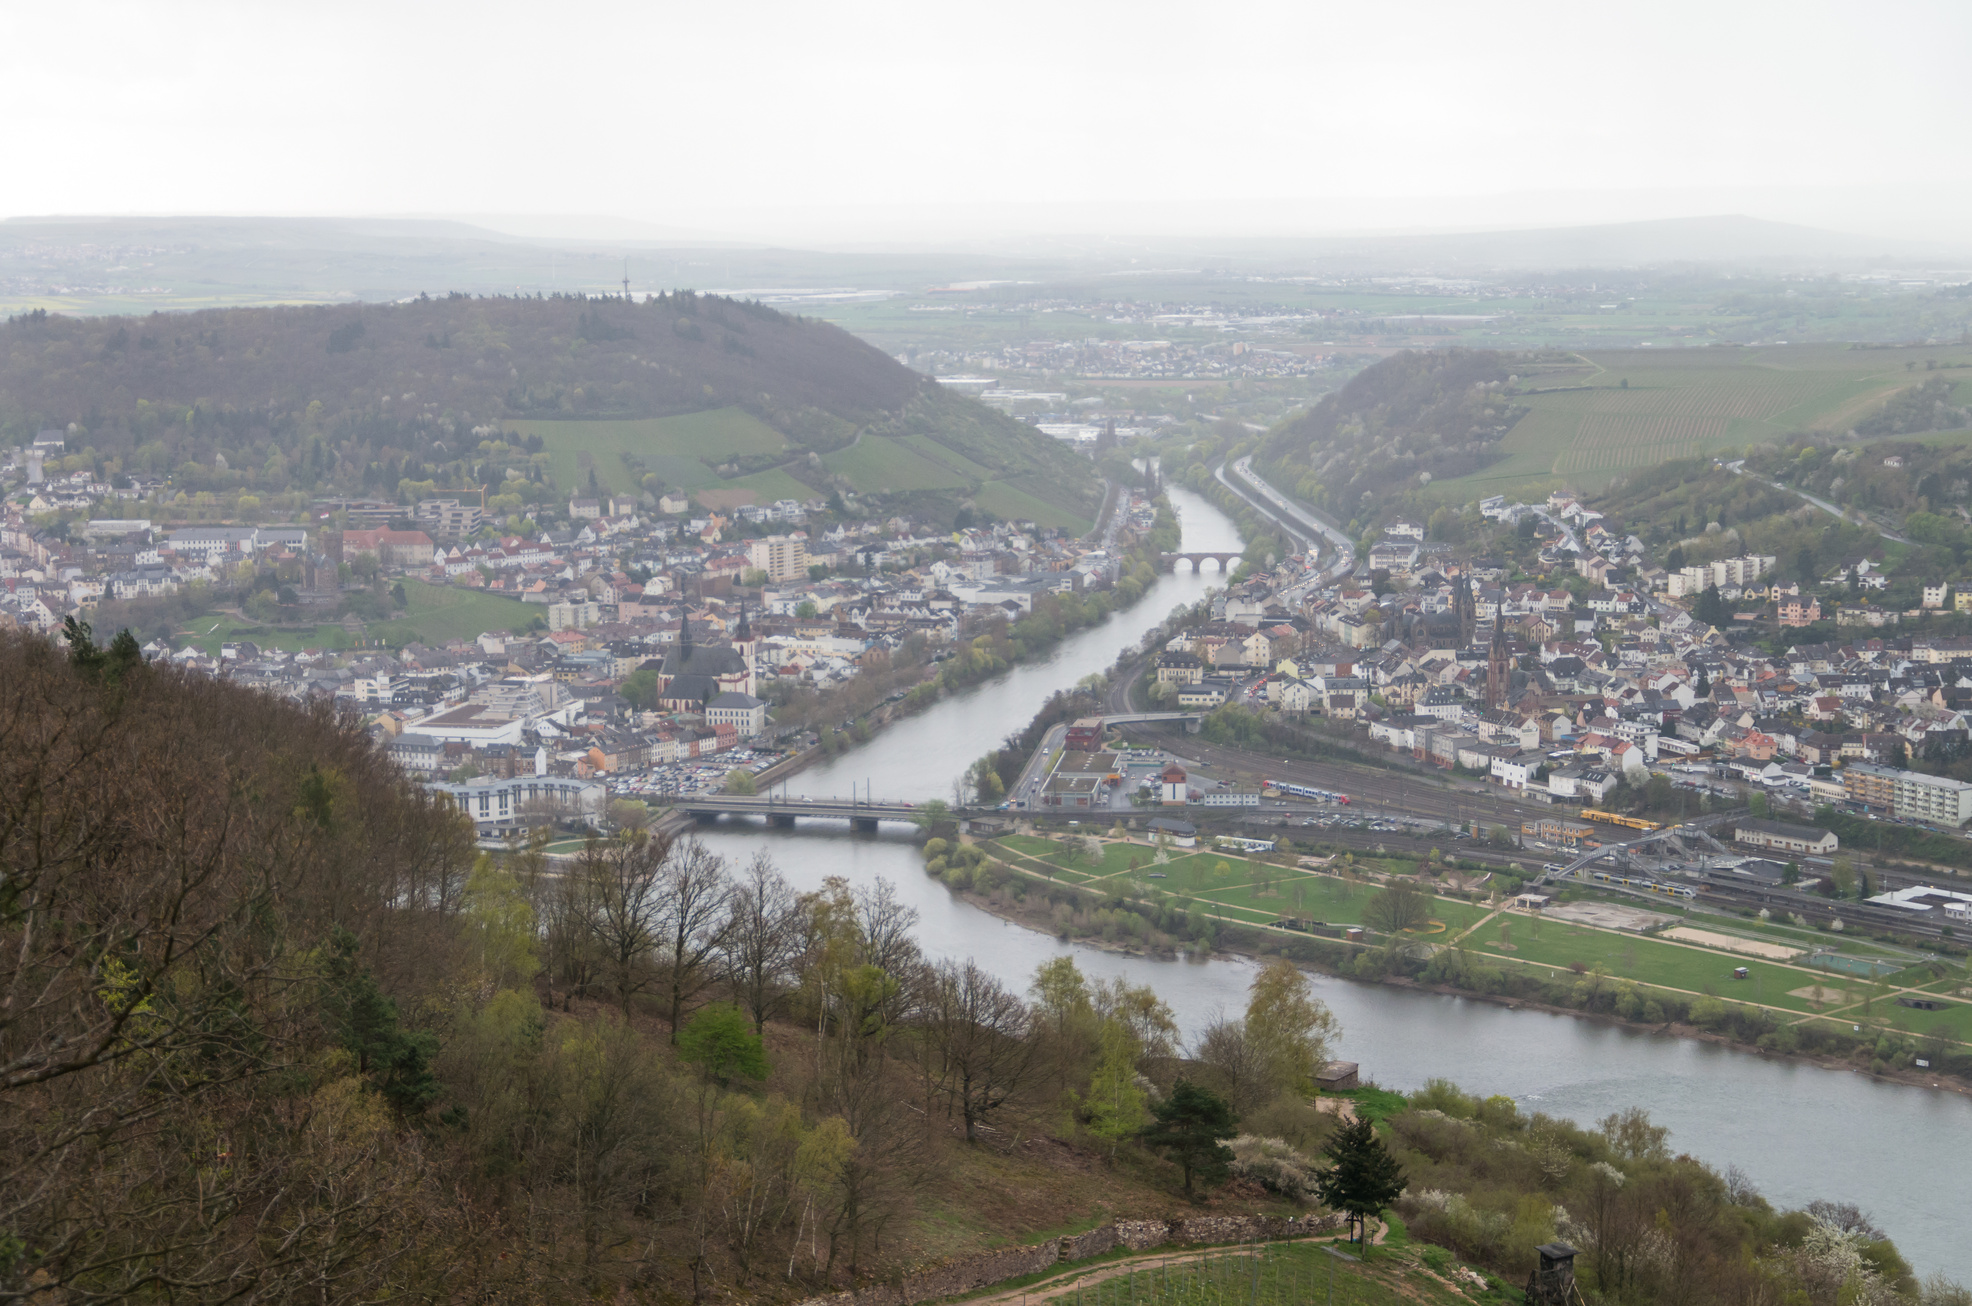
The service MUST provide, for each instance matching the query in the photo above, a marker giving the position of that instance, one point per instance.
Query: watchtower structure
(1553, 1281)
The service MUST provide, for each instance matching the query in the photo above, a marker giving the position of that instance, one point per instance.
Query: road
(1738, 468)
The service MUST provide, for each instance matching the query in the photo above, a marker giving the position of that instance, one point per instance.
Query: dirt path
(1069, 1280)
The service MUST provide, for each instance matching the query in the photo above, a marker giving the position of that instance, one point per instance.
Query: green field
(1278, 1274)
(1647, 961)
(672, 447)
(1681, 403)
(434, 614)
(875, 465)
(760, 487)
(938, 453)
(1011, 503)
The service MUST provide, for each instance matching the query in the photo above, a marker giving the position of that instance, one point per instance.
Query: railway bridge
(862, 814)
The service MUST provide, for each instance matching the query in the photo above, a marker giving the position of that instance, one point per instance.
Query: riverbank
(1737, 1026)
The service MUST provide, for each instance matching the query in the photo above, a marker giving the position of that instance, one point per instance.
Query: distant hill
(361, 398)
(1396, 426)
(1726, 239)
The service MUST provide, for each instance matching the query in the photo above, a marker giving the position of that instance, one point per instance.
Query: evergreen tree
(364, 1021)
(1191, 1127)
(1363, 1178)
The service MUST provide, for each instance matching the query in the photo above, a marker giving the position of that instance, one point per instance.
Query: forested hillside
(361, 398)
(1413, 418)
(275, 1031)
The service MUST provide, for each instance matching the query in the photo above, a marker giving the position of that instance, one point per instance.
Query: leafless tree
(627, 886)
(694, 922)
(763, 939)
(1235, 1063)
(980, 1032)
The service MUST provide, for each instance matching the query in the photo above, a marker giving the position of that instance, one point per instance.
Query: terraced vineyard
(1616, 410)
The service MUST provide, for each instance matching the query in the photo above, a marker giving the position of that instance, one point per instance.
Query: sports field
(1681, 403)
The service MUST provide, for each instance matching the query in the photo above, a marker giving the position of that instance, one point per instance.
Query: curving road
(1738, 468)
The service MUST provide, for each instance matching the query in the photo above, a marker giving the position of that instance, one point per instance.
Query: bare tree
(625, 888)
(1236, 1065)
(763, 939)
(695, 920)
(981, 1033)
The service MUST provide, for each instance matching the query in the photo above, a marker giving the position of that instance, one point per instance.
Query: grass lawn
(434, 613)
(673, 447)
(760, 487)
(210, 631)
(1954, 1023)
(1647, 961)
(440, 612)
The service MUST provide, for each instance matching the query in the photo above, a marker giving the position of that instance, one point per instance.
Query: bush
(1275, 1166)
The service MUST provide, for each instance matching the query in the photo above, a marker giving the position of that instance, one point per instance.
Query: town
(663, 648)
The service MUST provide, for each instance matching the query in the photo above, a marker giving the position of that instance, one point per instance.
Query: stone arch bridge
(1227, 561)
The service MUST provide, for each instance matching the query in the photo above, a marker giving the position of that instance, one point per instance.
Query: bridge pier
(782, 821)
(861, 824)
(706, 818)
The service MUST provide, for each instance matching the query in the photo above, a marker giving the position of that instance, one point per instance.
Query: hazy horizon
(892, 125)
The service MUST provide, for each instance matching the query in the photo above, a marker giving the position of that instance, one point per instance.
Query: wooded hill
(358, 398)
(1397, 425)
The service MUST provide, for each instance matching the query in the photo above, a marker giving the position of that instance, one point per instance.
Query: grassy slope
(673, 447)
(1683, 403)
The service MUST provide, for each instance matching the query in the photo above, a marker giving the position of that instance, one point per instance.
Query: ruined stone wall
(983, 1269)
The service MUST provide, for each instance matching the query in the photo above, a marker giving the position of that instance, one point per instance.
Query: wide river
(1904, 1154)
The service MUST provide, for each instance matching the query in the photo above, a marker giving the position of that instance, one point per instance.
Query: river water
(1799, 1131)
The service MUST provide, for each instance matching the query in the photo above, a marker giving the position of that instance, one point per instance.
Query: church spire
(745, 631)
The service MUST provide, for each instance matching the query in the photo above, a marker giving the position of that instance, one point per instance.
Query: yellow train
(1617, 818)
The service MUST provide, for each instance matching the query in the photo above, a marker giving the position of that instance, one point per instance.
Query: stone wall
(983, 1269)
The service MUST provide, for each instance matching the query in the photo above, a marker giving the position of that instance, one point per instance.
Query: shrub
(1275, 1166)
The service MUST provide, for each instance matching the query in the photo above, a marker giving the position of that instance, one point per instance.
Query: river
(1801, 1132)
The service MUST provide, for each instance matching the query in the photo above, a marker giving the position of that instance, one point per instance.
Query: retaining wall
(983, 1269)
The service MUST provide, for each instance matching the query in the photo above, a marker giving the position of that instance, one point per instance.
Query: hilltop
(730, 400)
(1453, 426)
(1398, 425)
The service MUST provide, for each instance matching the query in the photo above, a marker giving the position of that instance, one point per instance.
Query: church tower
(1464, 610)
(1499, 667)
(747, 646)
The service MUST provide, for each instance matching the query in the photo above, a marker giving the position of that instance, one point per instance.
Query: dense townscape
(653, 641)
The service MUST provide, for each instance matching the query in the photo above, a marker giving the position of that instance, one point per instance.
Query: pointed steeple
(745, 631)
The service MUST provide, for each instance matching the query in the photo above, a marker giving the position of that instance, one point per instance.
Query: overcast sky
(813, 120)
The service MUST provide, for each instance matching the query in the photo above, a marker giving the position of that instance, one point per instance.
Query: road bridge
(861, 814)
(1227, 561)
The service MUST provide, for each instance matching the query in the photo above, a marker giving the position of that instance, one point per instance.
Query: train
(1617, 818)
(1621, 881)
(1305, 791)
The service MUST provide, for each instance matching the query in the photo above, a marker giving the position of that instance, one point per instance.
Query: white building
(498, 807)
(746, 714)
